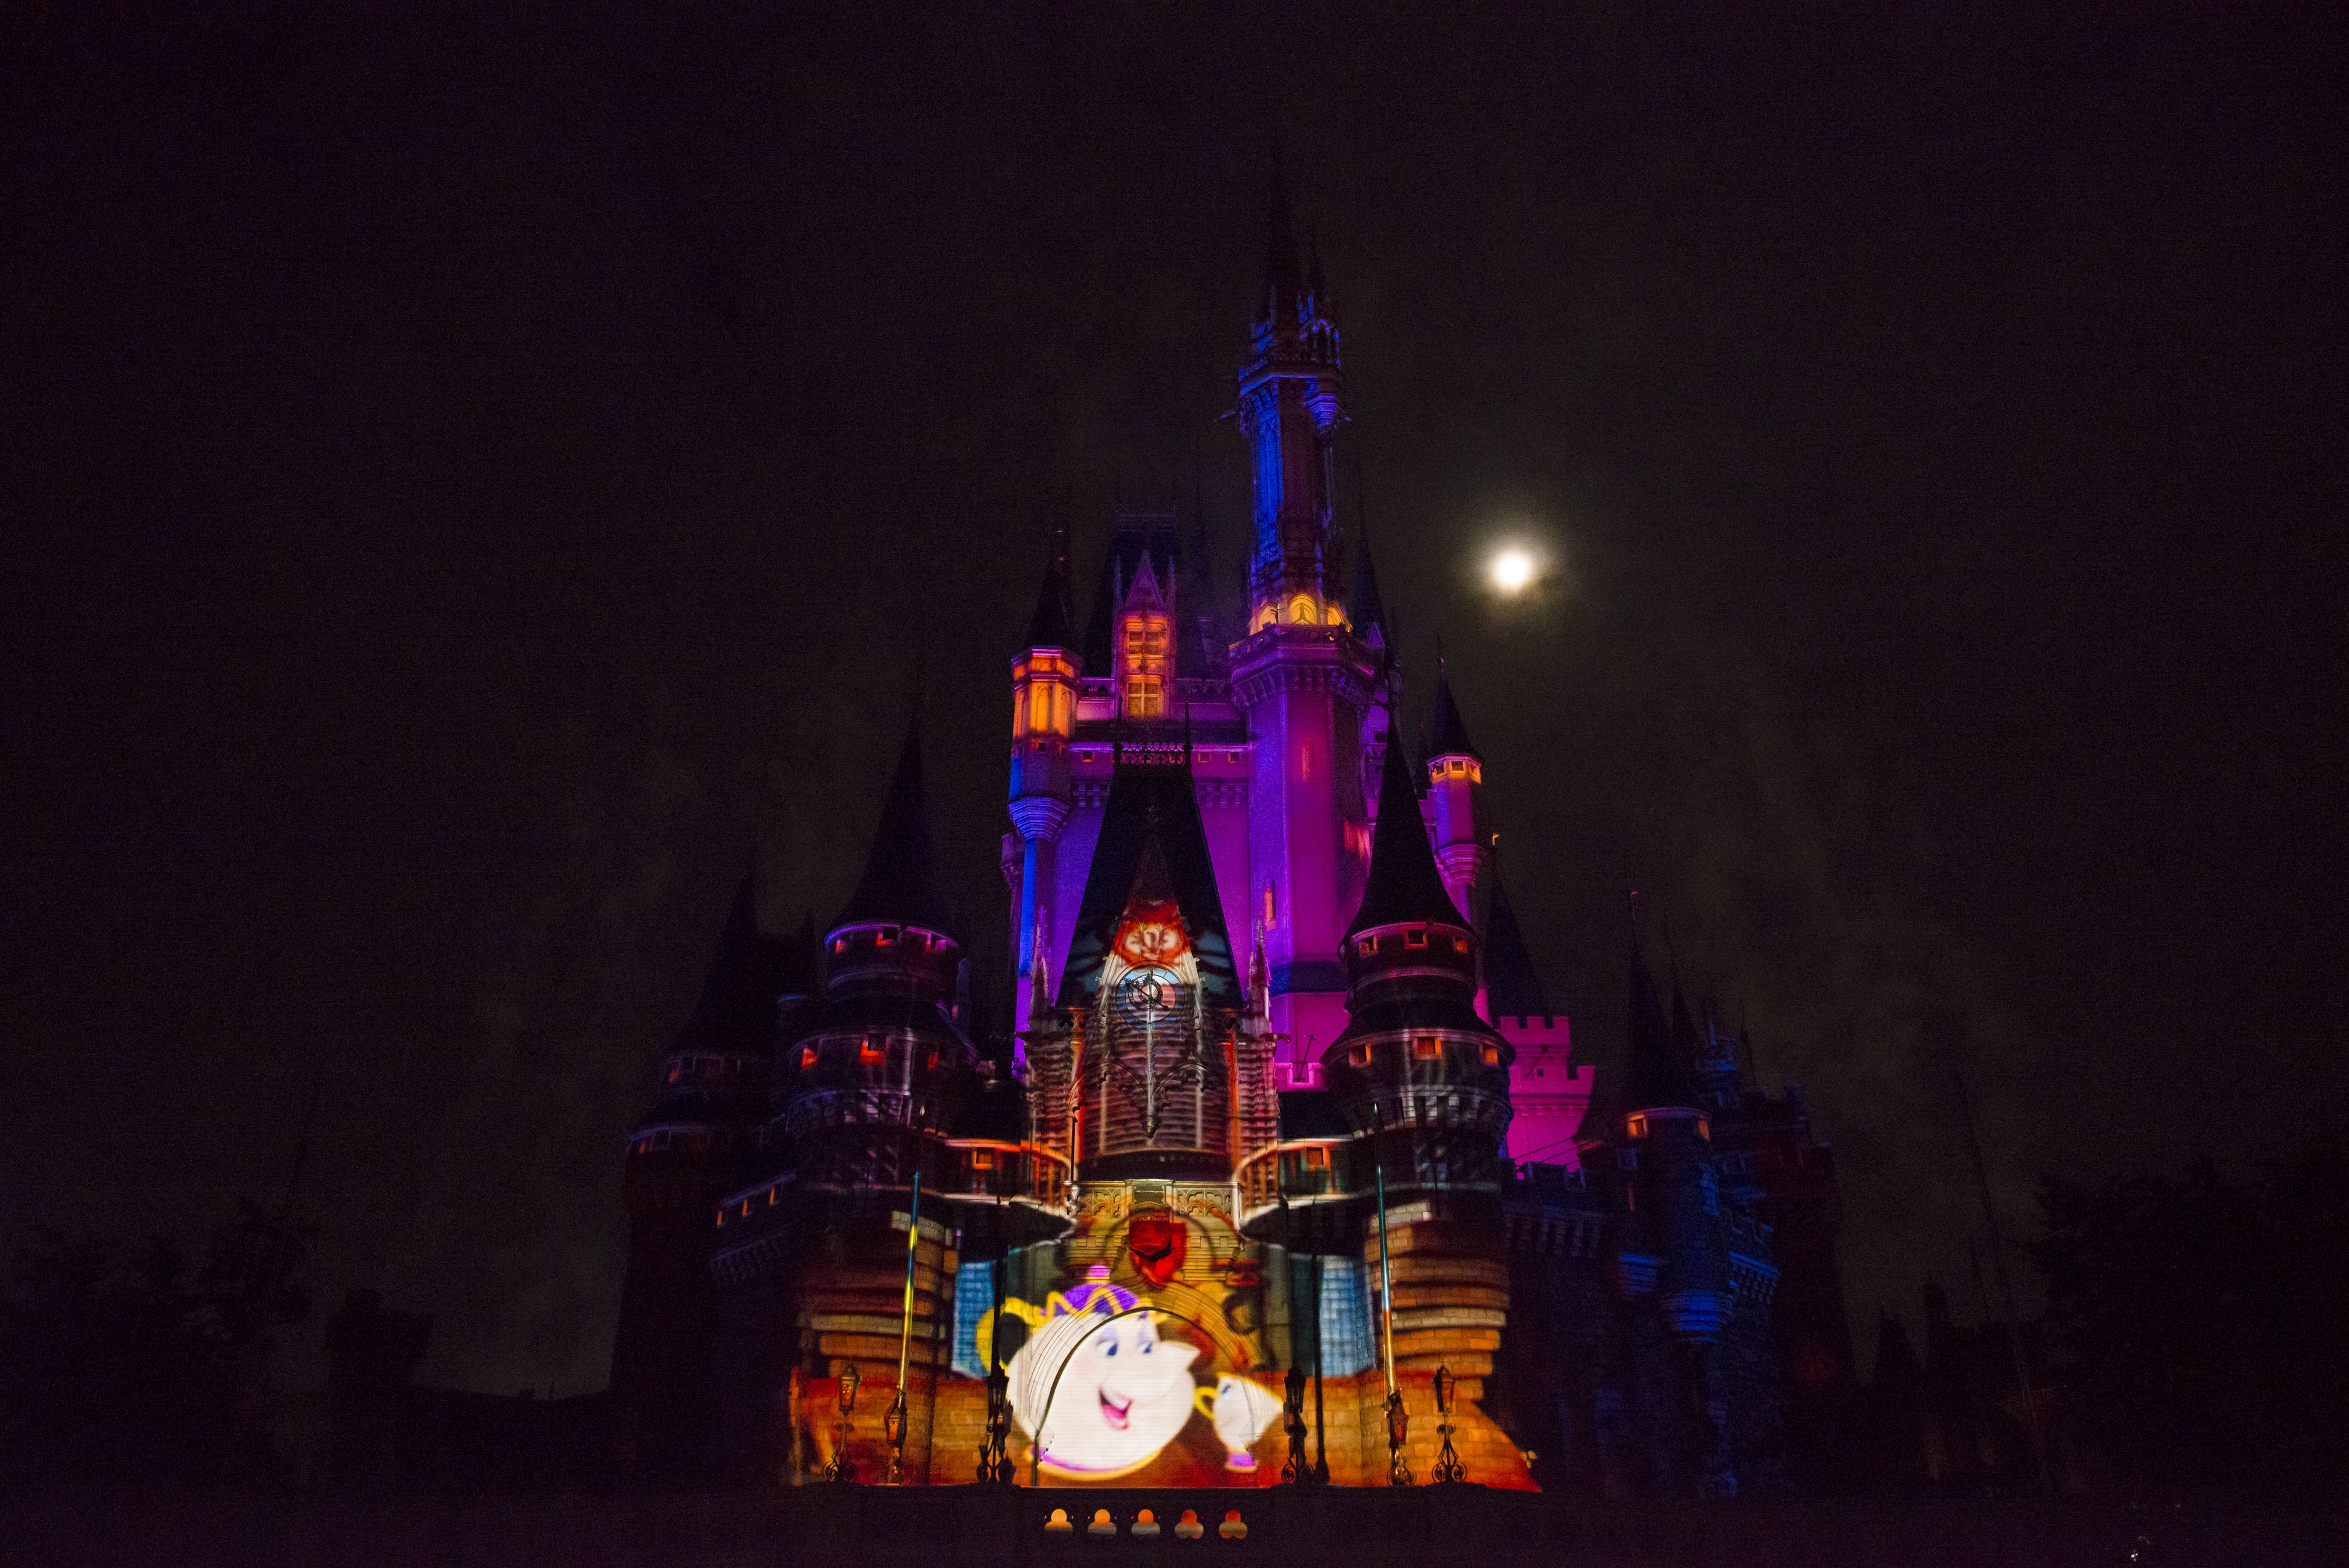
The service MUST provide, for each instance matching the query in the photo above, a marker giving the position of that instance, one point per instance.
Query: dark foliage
(2198, 1321)
(138, 1363)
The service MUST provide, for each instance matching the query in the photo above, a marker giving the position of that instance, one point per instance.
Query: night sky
(467, 484)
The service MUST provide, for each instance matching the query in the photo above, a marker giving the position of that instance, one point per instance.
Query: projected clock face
(1151, 988)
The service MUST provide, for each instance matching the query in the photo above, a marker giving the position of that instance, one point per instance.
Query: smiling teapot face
(1123, 1395)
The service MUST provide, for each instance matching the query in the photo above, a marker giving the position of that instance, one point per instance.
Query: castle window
(1637, 1127)
(1414, 938)
(1300, 611)
(1704, 1129)
(1335, 616)
(872, 1051)
(1317, 1159)
(1142, 647)
(982, 1159)
(886, 937)
(807, 1056)
(1360, 1057)
(1492, 1055)
(1367, 945)
(1427, 1048)
(930, 1063)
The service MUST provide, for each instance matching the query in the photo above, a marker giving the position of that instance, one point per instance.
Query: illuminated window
(1143, 645)
(982, 1159)
(1317, 1159)
(1335, 616)
(1704, 1129)
(871, 1052)
(1264, 616)
(1492, 1055)
(1414, 938)
(930, 1063)
(1300, 611)
(1360, 1057)
(1427, 1048)
(1367, 945)
(807, 1056)
(1271, 910)
(1637, 1127)
(886, 937)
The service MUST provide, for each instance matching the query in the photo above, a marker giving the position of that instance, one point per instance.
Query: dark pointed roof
(1448, 736)
(751, 971)
(1053, 624)
(1656, 1073)
(1512, 989)
(1684, 1036)
(1403, 884)
(901, 877)
(1364, 608)
(1281, 279)
(1151, 839)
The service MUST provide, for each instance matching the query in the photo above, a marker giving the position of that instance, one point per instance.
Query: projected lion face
(1122, 1396)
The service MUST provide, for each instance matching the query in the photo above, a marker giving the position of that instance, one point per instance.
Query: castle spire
(900, 875)
(1656, 1073)
(1448, 737)
(1054, 625)
(1404, 885)
(1511, 986)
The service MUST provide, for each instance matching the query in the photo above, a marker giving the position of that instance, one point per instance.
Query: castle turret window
(1427, 1048)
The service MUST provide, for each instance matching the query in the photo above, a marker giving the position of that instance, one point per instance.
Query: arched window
(1300, 611)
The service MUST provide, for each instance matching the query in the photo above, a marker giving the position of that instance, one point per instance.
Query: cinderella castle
(1282, 1149)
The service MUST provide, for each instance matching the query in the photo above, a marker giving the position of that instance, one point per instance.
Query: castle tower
(1423, 1082)
(1301, 676)
(685, 1154)
(877, 1076)
(1453, 770)
(1043, 720)
(1549, 1095)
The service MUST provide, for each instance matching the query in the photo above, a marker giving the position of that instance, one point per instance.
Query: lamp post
(1398, 1421)
(1447, 1461)
(1300, 1469)
(842, 1469)
(896, 1424)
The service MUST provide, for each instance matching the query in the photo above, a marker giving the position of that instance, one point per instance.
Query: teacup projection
(1242, 1411)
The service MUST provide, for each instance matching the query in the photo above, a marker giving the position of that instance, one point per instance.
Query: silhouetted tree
(135, 1363)
(2197, 1322)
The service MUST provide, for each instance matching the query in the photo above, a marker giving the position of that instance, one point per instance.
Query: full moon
(1512, 571)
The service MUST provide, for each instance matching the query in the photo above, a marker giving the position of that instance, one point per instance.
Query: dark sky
(464, 477)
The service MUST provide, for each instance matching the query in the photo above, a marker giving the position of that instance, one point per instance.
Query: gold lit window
(1492, 1055)
(807, 1056)
(1317, 1159)
(1427, 1047)
(872, 1051)
(1301, 612)
(1360, 1057)
(982, 1159)
(1637, 1127)
(1142, 662)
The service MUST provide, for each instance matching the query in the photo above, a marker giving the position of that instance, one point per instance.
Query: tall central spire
(1291, 405)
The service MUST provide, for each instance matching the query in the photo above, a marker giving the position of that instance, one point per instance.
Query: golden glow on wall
(1141, 665)
(1043, 697)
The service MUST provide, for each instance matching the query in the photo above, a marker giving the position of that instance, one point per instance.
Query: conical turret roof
(1053, 624)
(1365, 608)
(1656, 1072)
(1512, 989)
(1448, 737)
(901, 876)
(1403, 883)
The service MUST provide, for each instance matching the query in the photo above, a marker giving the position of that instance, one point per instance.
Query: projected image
(1157, 1372)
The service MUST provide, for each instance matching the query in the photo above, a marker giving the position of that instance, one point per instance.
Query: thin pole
(905, 1330)
(2006, 1284)
(1386, 1279)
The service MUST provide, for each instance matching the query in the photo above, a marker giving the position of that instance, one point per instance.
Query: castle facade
(1284, 1132)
